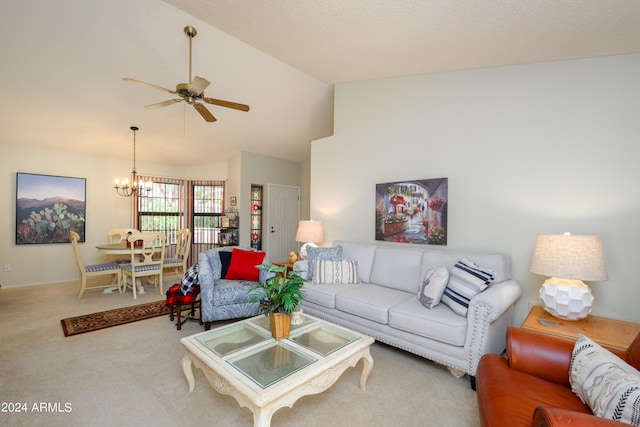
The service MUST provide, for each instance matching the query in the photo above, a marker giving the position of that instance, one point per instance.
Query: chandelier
(123, 188)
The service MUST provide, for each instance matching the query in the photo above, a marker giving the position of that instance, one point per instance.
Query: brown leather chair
(531, 386)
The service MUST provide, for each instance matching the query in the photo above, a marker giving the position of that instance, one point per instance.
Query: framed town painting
(48, 208)
(412, 211)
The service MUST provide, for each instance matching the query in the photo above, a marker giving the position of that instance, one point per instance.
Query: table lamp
(309, 233)
(568, 260)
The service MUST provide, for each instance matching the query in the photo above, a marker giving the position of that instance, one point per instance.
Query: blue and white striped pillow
(335, 272)
(466, 280)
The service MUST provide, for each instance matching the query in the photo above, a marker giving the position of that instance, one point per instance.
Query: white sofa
(385, 306)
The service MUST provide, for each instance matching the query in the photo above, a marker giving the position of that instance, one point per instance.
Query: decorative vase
(280, 325)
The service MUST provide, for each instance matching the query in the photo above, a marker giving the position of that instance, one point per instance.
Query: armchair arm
(559, 417)
(209, 270)
(541, 355)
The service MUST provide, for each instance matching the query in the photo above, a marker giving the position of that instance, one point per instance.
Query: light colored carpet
(131, 375)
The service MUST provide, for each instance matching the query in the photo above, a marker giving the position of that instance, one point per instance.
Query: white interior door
(282, 216)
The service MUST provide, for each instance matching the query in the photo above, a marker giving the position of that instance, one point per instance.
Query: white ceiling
(63, 63)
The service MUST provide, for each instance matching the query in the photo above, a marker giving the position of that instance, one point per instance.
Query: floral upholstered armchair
(226, 275)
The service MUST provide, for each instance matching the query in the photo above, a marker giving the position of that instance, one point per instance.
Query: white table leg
(188, 372)
(366, 369)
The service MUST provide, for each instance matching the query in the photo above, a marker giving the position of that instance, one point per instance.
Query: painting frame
(413, 211)
(48, 207)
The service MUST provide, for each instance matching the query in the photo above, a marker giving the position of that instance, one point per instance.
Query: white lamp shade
(569, 256)
(310, 232)
(568, 260)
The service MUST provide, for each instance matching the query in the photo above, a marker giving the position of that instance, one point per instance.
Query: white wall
(532, 149)
(52, 263)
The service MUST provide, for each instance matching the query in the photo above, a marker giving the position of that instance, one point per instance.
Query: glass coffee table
(264, 375)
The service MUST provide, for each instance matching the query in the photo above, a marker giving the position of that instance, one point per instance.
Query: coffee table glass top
(269, 364)
(323, 338)
(233, 338)
(249, 348)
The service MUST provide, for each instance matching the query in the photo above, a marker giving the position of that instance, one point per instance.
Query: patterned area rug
(119, 316)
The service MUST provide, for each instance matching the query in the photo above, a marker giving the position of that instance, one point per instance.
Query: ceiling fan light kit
(191, 92)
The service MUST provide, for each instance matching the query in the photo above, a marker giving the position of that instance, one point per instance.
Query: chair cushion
(232, 292)
(243, 265)
(225, 259)
(140, 268)
(101, 267)
(173, 260)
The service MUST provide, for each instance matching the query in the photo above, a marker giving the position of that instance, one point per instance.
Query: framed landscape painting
(412, 211)
(48, 208)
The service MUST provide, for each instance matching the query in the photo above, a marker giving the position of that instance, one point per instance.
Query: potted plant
(278, 296)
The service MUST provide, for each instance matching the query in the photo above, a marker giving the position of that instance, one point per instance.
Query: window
(173, 204)
(162, 208)
(208, 208)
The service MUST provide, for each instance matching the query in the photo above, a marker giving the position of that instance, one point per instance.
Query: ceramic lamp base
(566, 299)
(303, 249)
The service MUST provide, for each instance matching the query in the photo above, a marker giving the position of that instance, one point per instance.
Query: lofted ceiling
(63, 64)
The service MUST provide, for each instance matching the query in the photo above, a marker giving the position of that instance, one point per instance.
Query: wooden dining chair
(119, 235)
(147, 258)
(95, 270)
(178, 263)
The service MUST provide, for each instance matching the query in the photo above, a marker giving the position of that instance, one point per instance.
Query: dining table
(120, 252)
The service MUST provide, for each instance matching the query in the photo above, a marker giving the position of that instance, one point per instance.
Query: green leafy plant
(281, 292)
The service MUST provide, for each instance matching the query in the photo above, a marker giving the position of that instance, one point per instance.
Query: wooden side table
(607, 332)
(285, 264)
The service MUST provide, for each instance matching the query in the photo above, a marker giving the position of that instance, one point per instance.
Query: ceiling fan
(192, 92)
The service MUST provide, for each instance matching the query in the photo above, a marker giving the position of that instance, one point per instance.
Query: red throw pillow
(243, 265)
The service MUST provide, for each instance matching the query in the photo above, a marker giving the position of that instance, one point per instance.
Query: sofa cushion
(371, 301)
(466, 280)
(331, 254)
(605, 382)
(433, 286)
(361, 252)
(243, 265)
(439, 323)
(397, 268)
(324, 294)
(325, 271)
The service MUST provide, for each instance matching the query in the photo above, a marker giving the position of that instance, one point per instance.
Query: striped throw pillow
(335, 272)
(604, 382)
(466, 280)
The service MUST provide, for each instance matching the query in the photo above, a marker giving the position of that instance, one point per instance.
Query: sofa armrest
(559, 417)
(303, 267)
(498, 298)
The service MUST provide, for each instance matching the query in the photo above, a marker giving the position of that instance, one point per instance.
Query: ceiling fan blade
(204, 112)
(163, 103)
(198, 85)
(140, 82)
(228, 104)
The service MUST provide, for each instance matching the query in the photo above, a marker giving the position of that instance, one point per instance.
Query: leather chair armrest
(545, 416)
(541, 355)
